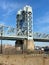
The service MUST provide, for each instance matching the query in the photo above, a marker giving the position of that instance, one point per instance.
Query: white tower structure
(25, 28)
(24, 22)
(29, 22)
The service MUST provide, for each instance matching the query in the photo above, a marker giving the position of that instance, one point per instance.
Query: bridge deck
(12, 37)
(23, 37)
(41, 39)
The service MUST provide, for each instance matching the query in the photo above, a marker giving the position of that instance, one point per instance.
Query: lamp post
(1, 30)
(1, 42)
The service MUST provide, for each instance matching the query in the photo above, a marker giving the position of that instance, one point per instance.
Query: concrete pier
(29, 45)
(24, 45)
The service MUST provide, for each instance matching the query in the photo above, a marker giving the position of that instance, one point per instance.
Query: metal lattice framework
(7, 30)
(9, 33)
(40, 35)
(24, 22)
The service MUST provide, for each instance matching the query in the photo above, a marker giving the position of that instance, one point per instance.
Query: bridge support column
(28, 45)
(19, 45)
(24, 45)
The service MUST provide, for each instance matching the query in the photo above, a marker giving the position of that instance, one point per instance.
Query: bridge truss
(10, 33)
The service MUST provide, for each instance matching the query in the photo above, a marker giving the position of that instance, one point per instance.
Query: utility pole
(1, 31)
(1, 42)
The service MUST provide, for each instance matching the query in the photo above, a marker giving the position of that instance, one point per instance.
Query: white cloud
(43, 19)
(2, 23)
(9, 7)
(42, 23)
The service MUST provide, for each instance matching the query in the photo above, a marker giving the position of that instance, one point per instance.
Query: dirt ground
(24, 59)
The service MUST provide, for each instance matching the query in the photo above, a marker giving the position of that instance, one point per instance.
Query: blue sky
(9, 8)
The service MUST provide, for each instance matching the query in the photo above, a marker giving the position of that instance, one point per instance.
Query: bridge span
(23, 32)
(22, 38)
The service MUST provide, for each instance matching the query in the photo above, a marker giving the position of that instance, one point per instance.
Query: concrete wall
(28, 45)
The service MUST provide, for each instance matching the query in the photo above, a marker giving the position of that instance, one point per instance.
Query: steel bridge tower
(24, 26)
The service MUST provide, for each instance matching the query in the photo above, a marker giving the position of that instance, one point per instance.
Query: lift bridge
(23, 29)
(9, 33)
(23, 32)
